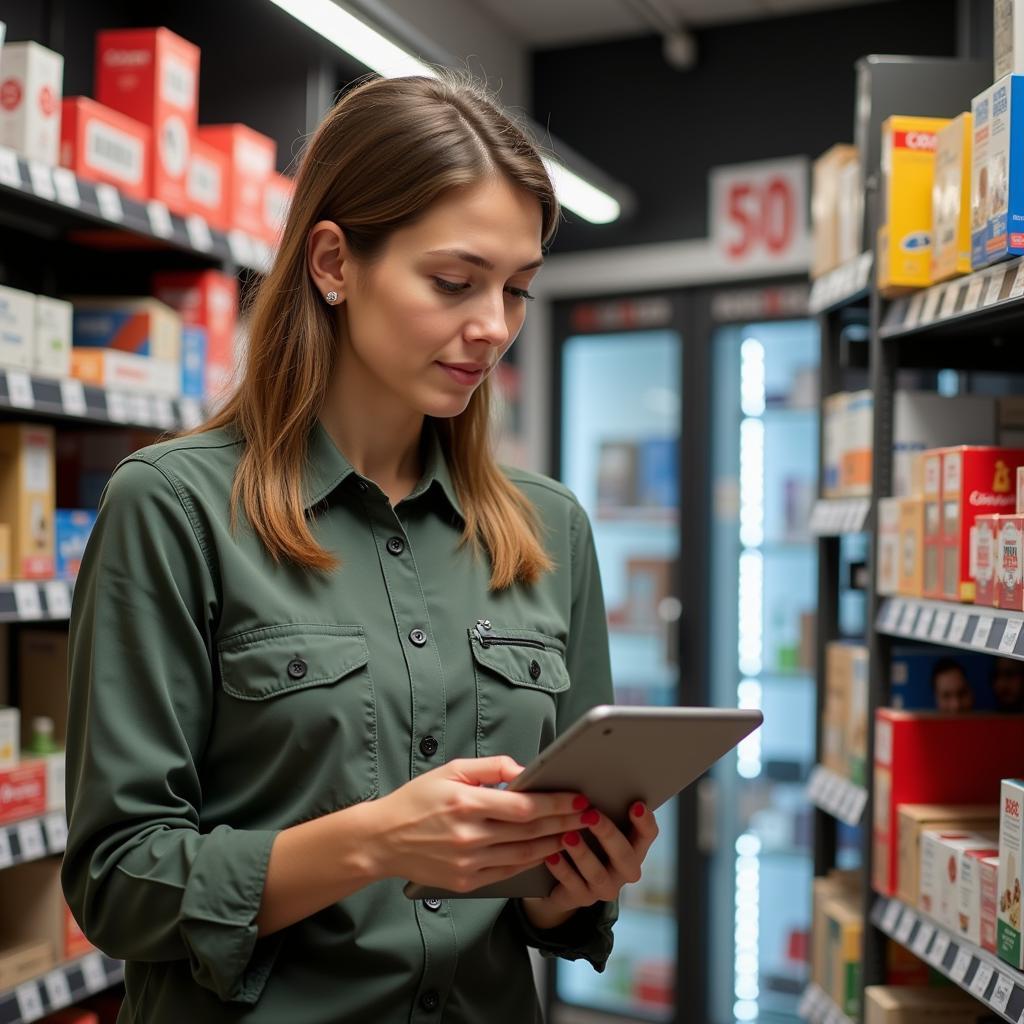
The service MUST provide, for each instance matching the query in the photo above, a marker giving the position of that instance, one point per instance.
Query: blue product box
(73, 526)
(193, 361)
(657, 473)
(940, 679)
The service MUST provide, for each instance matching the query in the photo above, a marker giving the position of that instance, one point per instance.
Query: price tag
(982, 631)
(906, 626)
(58, 599)
(979, 983)
(1017, 288)
(1002, 992)
(995, 286)
(906, 926)
(56, 828)
(93, 972)
(958, 628)
(57, 990)
(931, 305)
(26, 600)
(117, 407)
(241, 248)
(913, 316)
(1010, 634)
(66, 185)
(109, 201)
(891, 916)
(938, 951)
(973, 296)
(923, 937)
(141, 410)
(940, 624)
(159, 218)
(924, 623)
(948, 307)
(30, 839)
(72, 397)
(199, 233)
(893, 611)
(42, 180)
(30, 1002)
(19, 389)
(10, 173)
(960, 966)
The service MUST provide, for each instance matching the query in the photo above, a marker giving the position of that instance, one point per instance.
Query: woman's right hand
(448, 828)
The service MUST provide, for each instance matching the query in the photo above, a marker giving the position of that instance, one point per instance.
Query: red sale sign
(758, 214)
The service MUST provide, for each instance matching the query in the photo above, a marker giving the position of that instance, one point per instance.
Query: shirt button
(418, 637)
(297, 668)
(534, 670)
(396, 545)
(428, 746)
(430, 1000)
(433, 903)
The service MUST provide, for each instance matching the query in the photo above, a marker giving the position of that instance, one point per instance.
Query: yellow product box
(825, 185)
(843, 966)
(27, 497)
(914, 1004)
(908, 171)
(911, 567)
(951, 201)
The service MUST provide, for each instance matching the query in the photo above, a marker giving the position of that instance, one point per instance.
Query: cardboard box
(152, 75)
(834, 425)
(74, 525)
(252, 158)
(111, 368)
(143, 326)
(977, 887)
(951, 201)
(911, 567)
(931, 490)
(888, 577)
(1009, 589)
(843, 964)
(23, 961)
(913, 765)
(975, 480)
(983, 560)
(850, 213)
(825, 178)
(209, 299)
(51, 350)
(997, 173)
(1007, 38)
(17, 328)
(207, 184)
(22, 791)
(10, 737)
(1008, 924)
(277, 197)
(27, 483)
(901, 1004)
(33, 81)
(941, 856)
(908, 170)
(101, 144)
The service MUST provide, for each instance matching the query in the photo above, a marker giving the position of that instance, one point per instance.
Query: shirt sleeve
(143, 880)
(587, 934)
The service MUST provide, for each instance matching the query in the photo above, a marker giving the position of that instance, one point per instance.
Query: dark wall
(775, 88)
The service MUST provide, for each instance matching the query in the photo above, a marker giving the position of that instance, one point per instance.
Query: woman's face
(432, 316)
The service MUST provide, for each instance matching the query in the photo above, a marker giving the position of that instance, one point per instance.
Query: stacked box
(941, 872)
(843, 960)
(142, 326)
(888, 576)
(824, 889)
(277, 197)
(983, 560)
(30, 111)
(1009, 591)
(27, 484)
(51, 353)
(100, 144)
(931, 489)
(17, 328)
(978, 885)
(844, 662)
(207, 184)
(911, 565)
(251, 161)
(825, 187)
(951, 201)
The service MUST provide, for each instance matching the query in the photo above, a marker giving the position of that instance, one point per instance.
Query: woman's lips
(465, 377)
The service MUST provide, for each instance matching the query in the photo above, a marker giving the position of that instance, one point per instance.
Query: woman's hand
(594, 881)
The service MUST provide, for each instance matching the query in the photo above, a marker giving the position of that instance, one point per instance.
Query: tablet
(616, 755)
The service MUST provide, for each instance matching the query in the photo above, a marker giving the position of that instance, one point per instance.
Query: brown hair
(386, 151)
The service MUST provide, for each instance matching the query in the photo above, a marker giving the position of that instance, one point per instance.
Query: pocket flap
(262, 663)
(519, 662)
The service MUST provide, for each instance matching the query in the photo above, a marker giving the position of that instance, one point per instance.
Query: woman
(310, 639)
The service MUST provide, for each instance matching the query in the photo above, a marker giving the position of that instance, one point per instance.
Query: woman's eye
(450, 287)
(520, 293)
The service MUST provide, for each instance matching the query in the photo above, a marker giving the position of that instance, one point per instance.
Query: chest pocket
(300, 710)
(519, 673)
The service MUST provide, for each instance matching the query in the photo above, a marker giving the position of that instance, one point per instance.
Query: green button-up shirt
(217, 698)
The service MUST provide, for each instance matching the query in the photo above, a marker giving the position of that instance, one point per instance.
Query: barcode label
(114, 152)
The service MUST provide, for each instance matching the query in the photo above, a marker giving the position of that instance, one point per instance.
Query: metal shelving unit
(60, 987)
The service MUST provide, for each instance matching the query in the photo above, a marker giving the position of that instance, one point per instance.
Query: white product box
(971, 892)
(1008, 930)
(33, 78)
(1008, 37)
(888, 545)
(941, 856)
(834, 412)
(51, 355)
(126, 371)
(849, 213)
(17, 328)
(10, 734)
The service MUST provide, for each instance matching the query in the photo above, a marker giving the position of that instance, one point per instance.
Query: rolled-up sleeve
(587, 935)
(143, 881)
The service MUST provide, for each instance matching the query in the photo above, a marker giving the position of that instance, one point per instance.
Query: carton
(27, 484)
(33, 81)
(850, 213)
(911, 564)
(941, 856)
(842, 966)
(951, 201)
(22, 791)
(888, 579)
(207, 184)
(152, 75)
(251, 161)
(1008, 925)
(825, 187)
(143, 326)
(23, 961)
(983, 560)
(824, 889)
(1007, 37)
(978, 884)
(892, 1004)
(843, 661)
(997, 191)
(988, 875)
(10, 737)
(277, 197)
(834, 413)
(17, 328)
(101, 144)
(51, 350)
(1009, 589)
(73, 528)
(908, 169)
(931, 490)
(111, 368)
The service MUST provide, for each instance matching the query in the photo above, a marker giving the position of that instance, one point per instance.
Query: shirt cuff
(218, 913)
(587, 935)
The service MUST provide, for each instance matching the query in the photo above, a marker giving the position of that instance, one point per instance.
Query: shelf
(994, 983)
(36, 601)
(843, 286)
(832, 517)
(964, 626)
(836, 795)
(32, 839)
(79, 204)
(817, 1007)
(60, 987)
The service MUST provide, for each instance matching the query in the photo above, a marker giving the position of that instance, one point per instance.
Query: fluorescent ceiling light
(379, 54)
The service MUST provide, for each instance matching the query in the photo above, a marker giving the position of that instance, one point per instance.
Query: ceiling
(550, 23)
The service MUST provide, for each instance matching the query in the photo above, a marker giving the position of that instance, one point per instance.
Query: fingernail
(590, 817)
(581, 803)
(571, 838)
(638, 810)
(554, 858)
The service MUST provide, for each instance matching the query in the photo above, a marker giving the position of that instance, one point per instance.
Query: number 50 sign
(758, 214)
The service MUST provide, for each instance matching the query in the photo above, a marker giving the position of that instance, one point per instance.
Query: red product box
(1009, 591)
(984, 560)
(277, 197)
(22, 791)
(207, 184)
(100, 144)
(252, 158)
(912, 765)
(975, 480)
(152, 75)
(209, 299)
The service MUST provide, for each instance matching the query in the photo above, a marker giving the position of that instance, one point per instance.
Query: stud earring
(331, 297)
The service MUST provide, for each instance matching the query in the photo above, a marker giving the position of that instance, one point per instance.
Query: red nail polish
(571, 838)
(590, 817)
(638, 810)
(554, 858)
(581, 803)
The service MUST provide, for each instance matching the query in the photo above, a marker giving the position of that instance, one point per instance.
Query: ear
(326, 256)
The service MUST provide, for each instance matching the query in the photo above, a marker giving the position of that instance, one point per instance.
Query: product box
(915, 819)
(207, 184)
(252, 158)
(825, 888)
(1008, 37)
(152, 75)
(857, 721)
(997, 173)
(1020, 490)
(902, 1004)
(1008, 926)
(833, 427)
(30, 97)
(51, 351)
(22, 961)
(931, 490)
(975, 480)
(939, 679)
(951, 201)
(10, 737)
(913, 765)
(1009, 591)
(855, 457)
(983, 560)
(941, 856)
(73, 528)
(989, 882)
(887, 579)
(825, 179)
(911, 566)
(977, 886)
(277, 197)
(850, 213)
(101, 144)
(27, 482)
(193, 362)
(843, 964)
(908, 169)
(143, 326)
(112, 368)
(207, 298)
(843, 663)
(22, 792)
(5, 553)
(17, 328)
